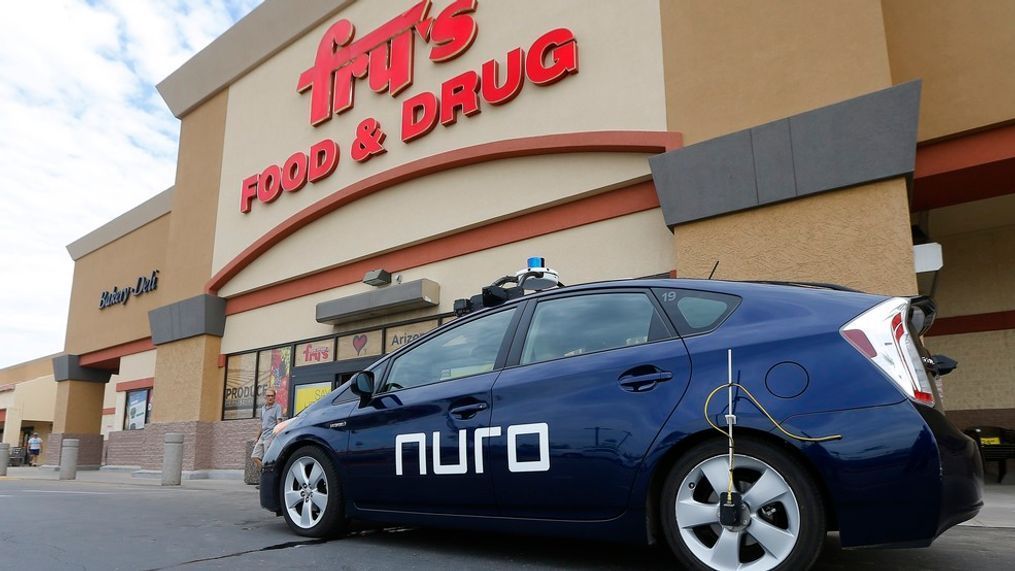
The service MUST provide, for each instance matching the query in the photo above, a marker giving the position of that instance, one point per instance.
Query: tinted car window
(696, 311)
(589, 323)
(468, 349)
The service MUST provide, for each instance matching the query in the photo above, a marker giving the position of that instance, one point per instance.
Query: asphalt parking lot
(119, 523)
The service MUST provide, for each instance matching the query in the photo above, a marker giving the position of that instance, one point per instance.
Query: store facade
(348, 169)
(27, 402)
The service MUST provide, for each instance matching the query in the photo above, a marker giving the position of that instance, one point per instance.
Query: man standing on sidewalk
(271, 414)
(34, 449)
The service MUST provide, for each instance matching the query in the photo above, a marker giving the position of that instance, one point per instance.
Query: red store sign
(383, 60)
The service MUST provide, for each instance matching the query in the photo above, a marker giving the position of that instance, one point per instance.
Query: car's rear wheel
(310, 494)
(782, 524)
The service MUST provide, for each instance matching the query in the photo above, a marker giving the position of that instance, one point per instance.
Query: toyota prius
(588, 411)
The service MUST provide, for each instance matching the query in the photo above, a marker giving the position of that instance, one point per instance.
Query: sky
(84, 137)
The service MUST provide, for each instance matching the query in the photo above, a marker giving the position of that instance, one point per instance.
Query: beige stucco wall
(132, 368)
(179, 245)
(36, 398)
(736, 64)
(439, 204)
(855, 237)
(7, 398)
(963, 51)
(978, 246)
(619, 86)
(978, 275)
(985, 377)
(116, 401)
(188, 381)
(27, 371)
(32, 403)
(119, 264)
(592, 252)
(11, 430)
(195, 199)
(78, 407)
(137, 366)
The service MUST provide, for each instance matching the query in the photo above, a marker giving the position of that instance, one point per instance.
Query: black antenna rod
(712, 273)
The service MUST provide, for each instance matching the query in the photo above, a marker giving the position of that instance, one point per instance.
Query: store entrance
(312, 382)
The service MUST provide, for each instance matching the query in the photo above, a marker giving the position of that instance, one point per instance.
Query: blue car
(581, 411)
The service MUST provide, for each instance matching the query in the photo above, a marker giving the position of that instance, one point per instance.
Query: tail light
(882, 335)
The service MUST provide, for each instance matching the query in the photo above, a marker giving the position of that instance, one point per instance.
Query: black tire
(332, 522)
(812, 528)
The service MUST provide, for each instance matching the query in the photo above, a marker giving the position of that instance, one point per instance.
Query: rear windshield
(694, 312)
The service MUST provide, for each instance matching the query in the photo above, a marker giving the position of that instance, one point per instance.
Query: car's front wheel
(782, 521)
(312, 503)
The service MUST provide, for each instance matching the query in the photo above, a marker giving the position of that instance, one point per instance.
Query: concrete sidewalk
(122, 478)
(998, 507)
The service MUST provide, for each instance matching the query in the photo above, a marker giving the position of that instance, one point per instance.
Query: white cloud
(84, 137)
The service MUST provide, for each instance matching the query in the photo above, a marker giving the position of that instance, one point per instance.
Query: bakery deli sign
(120, 296)
(383, 62)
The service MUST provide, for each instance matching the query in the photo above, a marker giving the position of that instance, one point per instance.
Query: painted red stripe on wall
(967, 168)
(134, 385)
(109, 358)
(997, 321)
(649, 142)
(613, 204)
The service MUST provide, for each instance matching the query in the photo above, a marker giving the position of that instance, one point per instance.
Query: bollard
(5, 456)
(69, 459)
(172, 459)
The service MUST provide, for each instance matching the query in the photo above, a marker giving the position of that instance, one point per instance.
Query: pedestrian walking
(271, 414)
(34, 449)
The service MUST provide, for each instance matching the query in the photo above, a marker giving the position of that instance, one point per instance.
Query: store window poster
(238, 401)
(307, 395)
(274, 369)
(364, 344)
(315, 352)
(398, 337)
(137, 409)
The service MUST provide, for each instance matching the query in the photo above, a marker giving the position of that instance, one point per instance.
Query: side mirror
(944, 364)
(363, 386)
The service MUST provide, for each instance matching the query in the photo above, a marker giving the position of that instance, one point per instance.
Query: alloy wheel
(769, 523)
(306, 492)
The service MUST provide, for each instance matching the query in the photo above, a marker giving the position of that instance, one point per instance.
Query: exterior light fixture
(377, 278)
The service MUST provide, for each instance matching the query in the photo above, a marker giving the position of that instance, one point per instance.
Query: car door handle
(467, 411)
(644, 382)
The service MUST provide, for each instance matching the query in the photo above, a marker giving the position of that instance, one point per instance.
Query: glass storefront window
(249, 374)
(238, 401)
(138, 411)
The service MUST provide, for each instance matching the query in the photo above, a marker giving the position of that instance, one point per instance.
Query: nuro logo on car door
(541, 429)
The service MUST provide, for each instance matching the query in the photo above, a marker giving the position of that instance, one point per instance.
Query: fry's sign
(383, 61)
